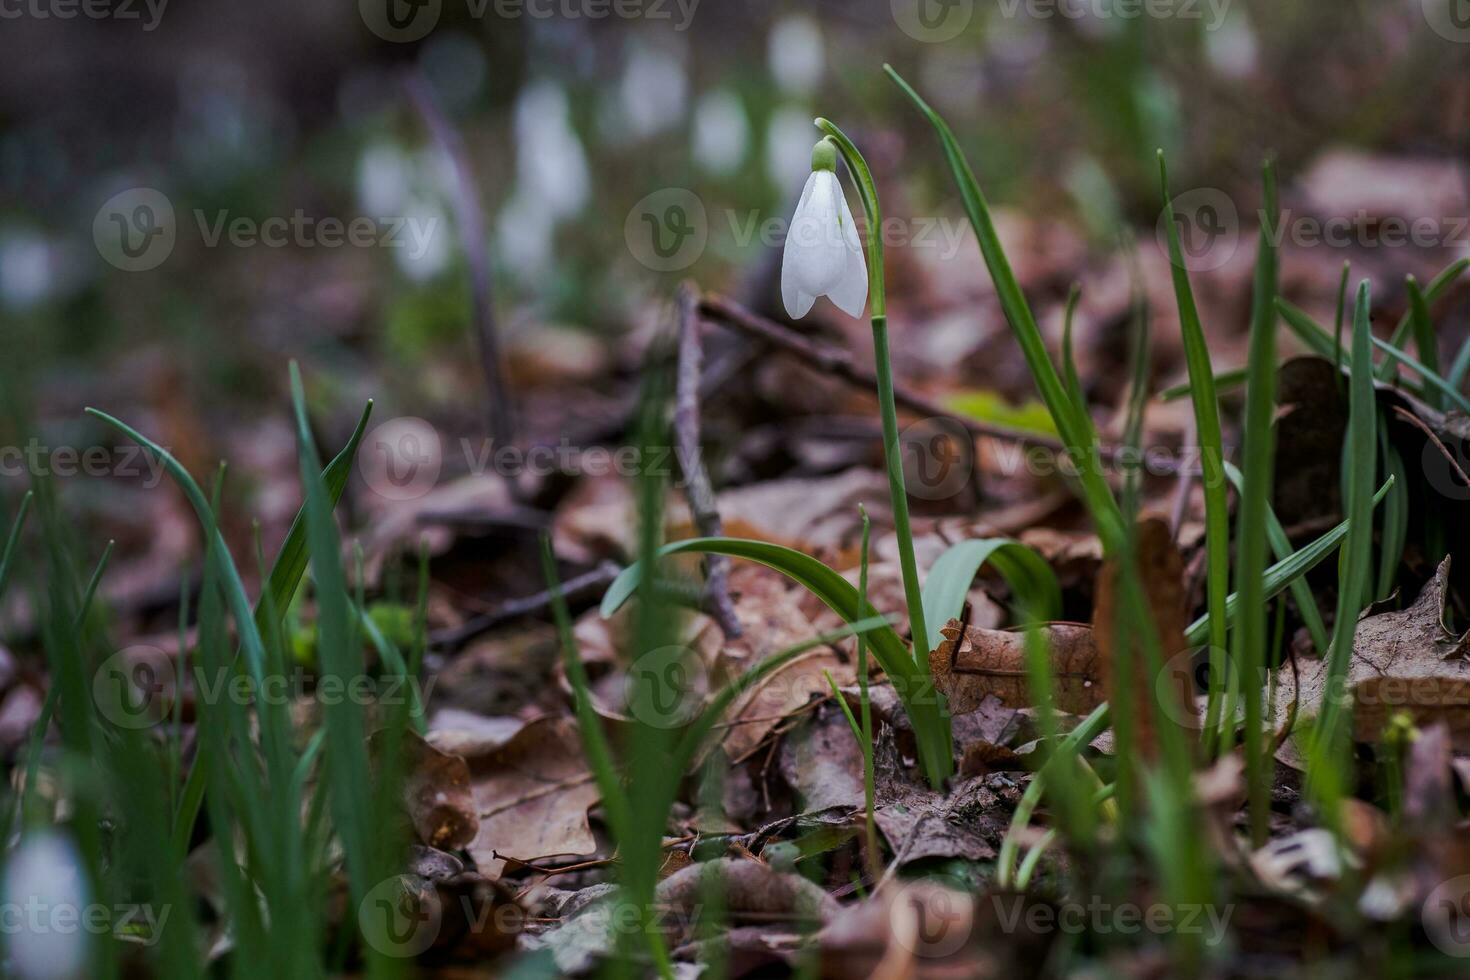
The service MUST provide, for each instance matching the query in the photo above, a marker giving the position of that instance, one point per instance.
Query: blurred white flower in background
(721, 132)
(30, 268)
(524, 238)
(44, 883)
(654, 89)
(788, 146)
(794, 53)
(551, 167)
(384, 179)
(425, 246)
(1231, 48)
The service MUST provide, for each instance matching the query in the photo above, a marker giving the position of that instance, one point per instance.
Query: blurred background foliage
(285, 106)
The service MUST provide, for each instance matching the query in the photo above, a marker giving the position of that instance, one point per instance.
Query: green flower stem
(892, 455)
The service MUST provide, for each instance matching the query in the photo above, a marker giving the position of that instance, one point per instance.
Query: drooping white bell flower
(822, 256)
(44, 882)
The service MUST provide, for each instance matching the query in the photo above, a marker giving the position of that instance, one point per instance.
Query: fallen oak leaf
(533, 792)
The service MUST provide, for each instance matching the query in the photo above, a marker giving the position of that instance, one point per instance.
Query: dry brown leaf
(1161, 576)
(1401, 662)
(967, 821)
(436, 792)
(533, 792)
(973, 664)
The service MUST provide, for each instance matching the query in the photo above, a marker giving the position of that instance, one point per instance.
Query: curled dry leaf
(973, 664)
(532, 792)
(1401, 662)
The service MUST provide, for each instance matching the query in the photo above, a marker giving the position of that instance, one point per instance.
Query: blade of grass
(1424, 339)
(1361, 440)
(1438, 287)
(1283, 573)
(1249, 639)
(1281, 548)
(1212, 459)
(349, 782)
(1222, 381)
(13, 537)
(1075, 430)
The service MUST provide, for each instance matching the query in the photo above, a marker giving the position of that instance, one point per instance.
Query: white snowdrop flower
(44, 883)
(653, 90)
(28, 272)
(524, 238)
(1231, 48)
(788, 146)
(424, 249)
(551, 166)
(822, 256)
(384, 180)
(794, 53)
(721, 132)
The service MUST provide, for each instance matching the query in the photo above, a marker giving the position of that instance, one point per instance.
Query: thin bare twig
(839, 362)
(696, 480)
(1444, 451)
(456, 636)
(470, 218)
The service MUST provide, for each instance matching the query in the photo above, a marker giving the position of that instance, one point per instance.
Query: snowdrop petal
(797, 303)
(851, 294)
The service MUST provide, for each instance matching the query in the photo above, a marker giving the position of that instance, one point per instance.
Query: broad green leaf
(1031, 580)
